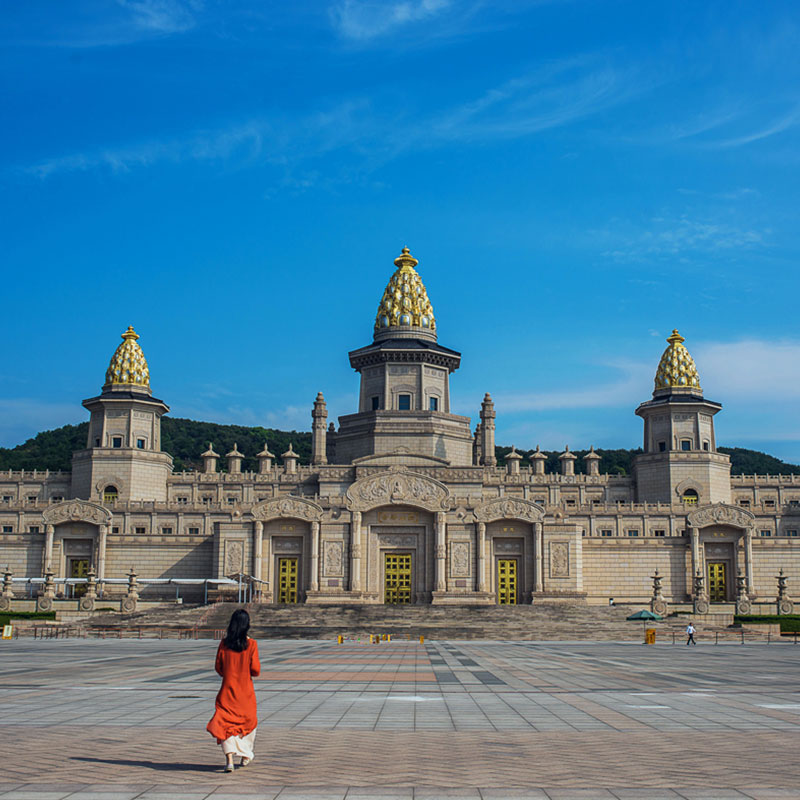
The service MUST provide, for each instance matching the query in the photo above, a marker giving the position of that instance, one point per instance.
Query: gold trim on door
(717, 581)
(78, 568)
(507, 581)
(397, 578)
(287, 580)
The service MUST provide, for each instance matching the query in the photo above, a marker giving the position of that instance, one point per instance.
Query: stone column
(101, 556)
(694, 533)
(315, 556)
(481, 556)
(258, 550)
(538, 529)
(266, 575)
(748, 561)
(48, 547)
(441, 551)
(488, 415)
(355, 552)
(319, 430)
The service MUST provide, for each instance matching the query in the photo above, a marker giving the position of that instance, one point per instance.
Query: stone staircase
(538, 622)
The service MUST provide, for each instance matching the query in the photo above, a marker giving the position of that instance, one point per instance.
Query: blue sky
(235, 178)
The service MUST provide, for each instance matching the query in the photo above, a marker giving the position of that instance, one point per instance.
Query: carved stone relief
(508, 546)
(396, 540)
(509, 508)
(234, 557)
(459, 560)
(720, 514)
(397, 486)
(288, 508)
(76, 511)
(333, 559)
(286, 544)
(559, 559)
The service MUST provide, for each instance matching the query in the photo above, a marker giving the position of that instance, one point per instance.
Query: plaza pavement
(480, 720)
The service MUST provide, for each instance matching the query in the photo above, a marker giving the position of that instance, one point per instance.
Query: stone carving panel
(508, 546)
(234, 557)
(509, 508)
(396, 540)
(76, 511)
(288, 508)
(286, 544)
(333, 559)
(559, 559)
(720, 514)
(459, 560)
(399, 486)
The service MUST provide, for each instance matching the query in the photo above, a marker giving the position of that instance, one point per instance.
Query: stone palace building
(403, 502)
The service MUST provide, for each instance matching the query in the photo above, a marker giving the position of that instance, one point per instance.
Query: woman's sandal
(228, 768)
(245, 761)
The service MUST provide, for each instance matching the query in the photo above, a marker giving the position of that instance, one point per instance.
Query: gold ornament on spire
(676, 370)
(405, 301)
(128, 365)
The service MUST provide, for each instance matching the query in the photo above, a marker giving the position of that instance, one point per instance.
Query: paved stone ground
(119, 720)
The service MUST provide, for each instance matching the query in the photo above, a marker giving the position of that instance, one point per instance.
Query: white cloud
(162, 16)
(362, 20)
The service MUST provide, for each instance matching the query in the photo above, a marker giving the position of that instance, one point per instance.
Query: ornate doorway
(507, 581)
(717, 581)
(287, 580)
(397, 578)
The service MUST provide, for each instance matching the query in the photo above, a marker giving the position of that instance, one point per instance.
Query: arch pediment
(720, 514)
(287, 508)
(509, 508)
(397, 486)
(76, 511)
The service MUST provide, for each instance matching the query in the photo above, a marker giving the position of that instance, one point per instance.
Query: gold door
(717, 588)
(507, 581)
(397, 578)
(78, 568)
(287, 580)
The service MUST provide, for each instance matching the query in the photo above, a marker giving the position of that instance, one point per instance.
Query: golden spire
(405, 300)
(676, 370)
(128, 365)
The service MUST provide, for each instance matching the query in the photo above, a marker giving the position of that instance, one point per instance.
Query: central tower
(404, 402)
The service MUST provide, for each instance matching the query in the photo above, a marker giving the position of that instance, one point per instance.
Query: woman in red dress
(234, 721)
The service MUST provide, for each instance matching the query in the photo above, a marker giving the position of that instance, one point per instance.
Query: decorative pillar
(748, 561)
(234, 460)
(592, 461)
(265, 460)
(512, 461)
(129, 602)
(8, 593)
(537, 459)
(657, 603)
(441, 550)
(290, 459)
(567, 460)
(539, 550)
(694, 533)
(481, 556)
(743, 605)
(783, 600)
(45, 600)
(488, 415)
(101, 556)
(48, 547)
(258, 550)
(86, 603)
(476, 446)
(315, 556)
(319, 429)
(210, 459)
(355, 552)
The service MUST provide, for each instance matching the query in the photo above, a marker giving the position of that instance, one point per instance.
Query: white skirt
(240, 745)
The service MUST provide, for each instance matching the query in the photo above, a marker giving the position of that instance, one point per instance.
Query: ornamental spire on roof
(677, 370)
(405, 303)
(128, 367)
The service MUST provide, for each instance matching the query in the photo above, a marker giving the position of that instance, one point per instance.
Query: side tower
(680, 460)
(404, 402)
(123, 459)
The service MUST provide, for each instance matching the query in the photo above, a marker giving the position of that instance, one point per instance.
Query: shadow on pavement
(166, 766)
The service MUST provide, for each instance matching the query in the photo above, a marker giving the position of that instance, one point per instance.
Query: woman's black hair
(236, 636)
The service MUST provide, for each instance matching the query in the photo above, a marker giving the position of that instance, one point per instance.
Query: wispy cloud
(762, 132)
(363, 20)
(162, 16)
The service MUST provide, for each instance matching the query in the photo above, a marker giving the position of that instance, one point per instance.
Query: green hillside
(186, 439)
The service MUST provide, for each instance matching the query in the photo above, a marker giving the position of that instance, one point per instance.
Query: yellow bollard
(650, 636)
(371, 637)
(340, 639)
(388, 637)
(422, 640)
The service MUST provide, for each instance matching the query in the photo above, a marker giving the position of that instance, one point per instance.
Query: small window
(434, 403)
(404, 402)
(662, 446)
(690, 497)
(115, 529)
(794, 503)
(230, 500)
(686, 444)
(570, 502)
(659, 533)
(32, 498)
(110, 495)
(194, 531)
(141, 530)
(97, 441)
(744, 503)
(116, 441)
(166, 531)
(33, 529)
(376, 403)
(6, 498)
(8, 529)
(791, 533)
(766, 533)
(769, 503)
(605, 532)
(57, 499)
(633, 533)
(206, 499)
(140, 444)
(182, 500)
(706, 446)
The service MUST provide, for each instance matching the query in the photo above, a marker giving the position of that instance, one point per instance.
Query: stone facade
(404, 476)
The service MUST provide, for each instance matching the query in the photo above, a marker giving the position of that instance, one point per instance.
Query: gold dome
(405, 302)
(676, 370)
(128, 365)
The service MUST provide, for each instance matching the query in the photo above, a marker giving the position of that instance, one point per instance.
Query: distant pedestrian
(690, 632)
(234, 722)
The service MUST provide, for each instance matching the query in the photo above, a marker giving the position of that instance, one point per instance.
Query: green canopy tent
(644, 615)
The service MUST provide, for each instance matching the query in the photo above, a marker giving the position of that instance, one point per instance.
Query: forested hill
(186, 439)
